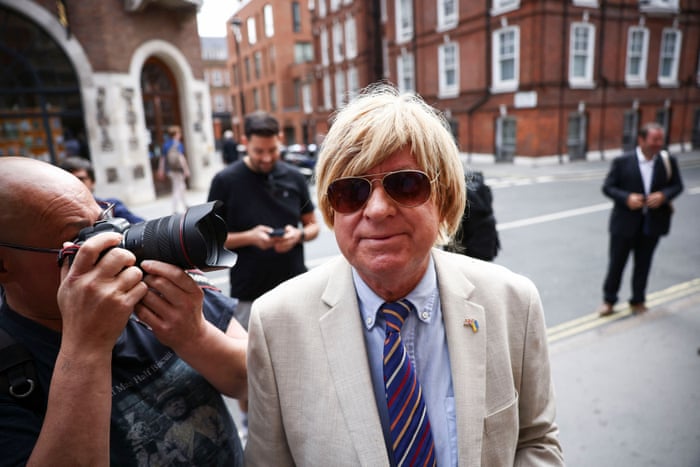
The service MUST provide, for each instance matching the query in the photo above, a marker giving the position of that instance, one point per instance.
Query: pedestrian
(105, 337)
(269, 213)
(642, 183)
(82, 168)
(173, 163)
(329, 375)
(229, 148)
(477, 235)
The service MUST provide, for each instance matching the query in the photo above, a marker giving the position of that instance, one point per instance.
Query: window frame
(268, 20)
(585, 81)
(446, 89)
(499, 84)
(639, 79)
(672, 80)
(504, 6)
(445, 22)
(406, 72)
(404, 20)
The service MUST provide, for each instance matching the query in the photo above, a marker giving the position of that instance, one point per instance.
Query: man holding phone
(268, 210)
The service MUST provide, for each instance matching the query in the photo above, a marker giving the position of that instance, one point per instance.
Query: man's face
(384, 241)
(263, 153)
(85, 178)
(652, 143)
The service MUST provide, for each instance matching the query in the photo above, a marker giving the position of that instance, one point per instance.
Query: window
(447, 14)
(350, 38)
(323, 38)
(217, 78)
(306, 98)
(353, 83)
(268, 19)
(219, 103)
(581, 46)
(257, 63)
(404, 20)
(506, 59)
(506, 128)
(335, 4)
(296, 17)
(591, 3)
(272, 91)
(405, 73)
(303, 52)
(247, 69)
(659, 6)
(339, 88)
(327, 100)
(504, 6)
(670, 53)
(256, 99)
(448, 69)
(296, 83)
(637, 50)
(252, 35)
(321, 8)
(337, 42)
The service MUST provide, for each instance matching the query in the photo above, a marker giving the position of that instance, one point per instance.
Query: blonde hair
(377, 124)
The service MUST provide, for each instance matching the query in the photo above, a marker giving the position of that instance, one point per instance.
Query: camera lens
(194, 239)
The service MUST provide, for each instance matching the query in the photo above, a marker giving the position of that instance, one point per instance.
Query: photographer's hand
(98, 293)
(173, 310)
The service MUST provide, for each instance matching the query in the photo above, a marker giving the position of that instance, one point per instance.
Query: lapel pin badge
(471, 323)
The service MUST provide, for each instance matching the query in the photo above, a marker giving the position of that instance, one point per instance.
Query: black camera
(192, 240)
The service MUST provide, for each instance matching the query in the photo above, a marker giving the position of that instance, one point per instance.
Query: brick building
(113, 74)
(218, 77)
(272, 65)
(521, 79)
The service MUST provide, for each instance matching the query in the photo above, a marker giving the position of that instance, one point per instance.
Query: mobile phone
(277, 232)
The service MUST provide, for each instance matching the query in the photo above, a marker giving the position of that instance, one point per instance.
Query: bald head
(39, 200)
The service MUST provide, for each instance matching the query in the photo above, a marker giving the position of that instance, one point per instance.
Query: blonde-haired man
(329, 371)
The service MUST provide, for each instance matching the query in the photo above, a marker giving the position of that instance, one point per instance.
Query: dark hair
(73, 164)
(647, 127)
(261, 124)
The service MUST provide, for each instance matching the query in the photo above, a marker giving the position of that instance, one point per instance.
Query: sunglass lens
(408, 188)
(347, 195)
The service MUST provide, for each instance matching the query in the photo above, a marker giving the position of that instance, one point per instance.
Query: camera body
(279, 232)
(192, 240)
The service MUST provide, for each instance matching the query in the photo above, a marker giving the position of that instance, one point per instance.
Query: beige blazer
(311, 401)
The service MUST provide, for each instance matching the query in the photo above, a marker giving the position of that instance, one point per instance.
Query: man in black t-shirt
(268, 211)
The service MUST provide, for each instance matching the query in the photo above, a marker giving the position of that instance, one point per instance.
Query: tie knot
(395, 313)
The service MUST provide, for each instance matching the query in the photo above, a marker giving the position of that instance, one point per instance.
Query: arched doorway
(161, 109)
(40, 103)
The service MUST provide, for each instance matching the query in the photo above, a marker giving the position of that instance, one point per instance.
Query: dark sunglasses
(409, 188)
(107, 213)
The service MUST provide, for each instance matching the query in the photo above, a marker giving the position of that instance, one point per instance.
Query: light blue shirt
(423, 335)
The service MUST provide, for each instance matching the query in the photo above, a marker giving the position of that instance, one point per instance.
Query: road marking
(622, 310)
(554, 216)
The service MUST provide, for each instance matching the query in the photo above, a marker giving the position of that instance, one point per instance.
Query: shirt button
(369, 321)
(425, 315)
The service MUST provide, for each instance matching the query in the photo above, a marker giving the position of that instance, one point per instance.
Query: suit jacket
(311, 401)
(624, 178)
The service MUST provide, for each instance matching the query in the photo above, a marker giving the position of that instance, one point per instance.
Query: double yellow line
(622, 310)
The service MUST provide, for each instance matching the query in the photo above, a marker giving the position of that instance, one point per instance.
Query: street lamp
(236, 29)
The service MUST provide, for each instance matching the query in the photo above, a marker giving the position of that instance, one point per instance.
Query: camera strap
(18, 376)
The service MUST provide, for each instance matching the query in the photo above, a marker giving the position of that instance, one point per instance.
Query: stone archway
(161, 109)
(41, 106)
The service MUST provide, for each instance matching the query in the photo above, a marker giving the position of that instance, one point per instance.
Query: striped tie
(412, 441)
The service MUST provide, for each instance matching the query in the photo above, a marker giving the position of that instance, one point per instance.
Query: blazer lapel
(344, 343)
(467, 357)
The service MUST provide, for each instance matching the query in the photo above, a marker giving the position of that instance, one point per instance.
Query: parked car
(300, 156)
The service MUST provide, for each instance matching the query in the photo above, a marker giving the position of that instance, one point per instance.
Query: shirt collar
(423, 297)
(643, 160)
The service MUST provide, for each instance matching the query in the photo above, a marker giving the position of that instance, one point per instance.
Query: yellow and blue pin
(471, 323)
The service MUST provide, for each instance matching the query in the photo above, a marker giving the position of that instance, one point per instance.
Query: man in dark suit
(642, 185)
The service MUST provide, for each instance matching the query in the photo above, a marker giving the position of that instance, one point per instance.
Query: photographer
(106, 337)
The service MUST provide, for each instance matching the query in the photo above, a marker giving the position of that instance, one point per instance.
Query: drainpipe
(486, 91)
(563, 80)
(603, 80)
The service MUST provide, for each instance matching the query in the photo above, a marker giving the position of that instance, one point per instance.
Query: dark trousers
(643, 247)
